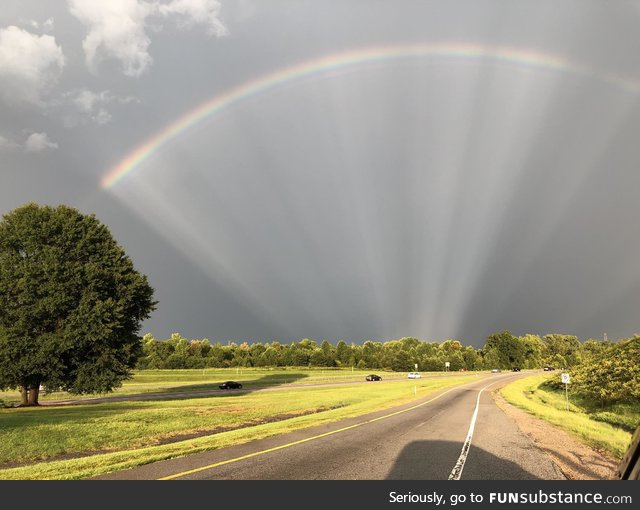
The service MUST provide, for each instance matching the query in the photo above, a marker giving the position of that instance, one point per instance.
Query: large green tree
(71, 303)
(611, 376)
(505, 350)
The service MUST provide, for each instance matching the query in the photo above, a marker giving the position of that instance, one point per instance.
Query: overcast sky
(487, 181)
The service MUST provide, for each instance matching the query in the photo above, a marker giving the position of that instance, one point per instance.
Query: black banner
(365, 495)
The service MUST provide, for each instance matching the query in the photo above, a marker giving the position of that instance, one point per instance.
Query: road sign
(565, 380)
(447, 364)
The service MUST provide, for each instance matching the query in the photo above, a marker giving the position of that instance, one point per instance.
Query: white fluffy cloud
(92, 105)
(81, 106)
(29, 64)
(196, 12)
(116, 29)
(38, 142)
(35, 142)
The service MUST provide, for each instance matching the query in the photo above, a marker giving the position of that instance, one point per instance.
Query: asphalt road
(459, 433)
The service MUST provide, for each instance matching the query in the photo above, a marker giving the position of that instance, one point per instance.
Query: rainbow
(341, 61)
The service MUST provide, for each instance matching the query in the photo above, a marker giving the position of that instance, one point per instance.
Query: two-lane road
(458, 433)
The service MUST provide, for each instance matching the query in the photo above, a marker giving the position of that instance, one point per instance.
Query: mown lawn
(152, 381)
(143, 431)
(608, 429)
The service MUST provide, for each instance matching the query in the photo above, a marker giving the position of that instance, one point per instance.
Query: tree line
(72, 304)
(502, 350)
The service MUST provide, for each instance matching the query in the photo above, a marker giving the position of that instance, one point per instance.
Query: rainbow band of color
(341, 61)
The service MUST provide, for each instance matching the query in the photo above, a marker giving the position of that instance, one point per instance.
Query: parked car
(495, 370)
(629, 468)
(230, 385)
(515, 369)
(373, 377)
(548, 369)
(414, 375)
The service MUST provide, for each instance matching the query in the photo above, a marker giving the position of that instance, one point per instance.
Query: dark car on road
(373, 377)
(515, 369)
(230, 385)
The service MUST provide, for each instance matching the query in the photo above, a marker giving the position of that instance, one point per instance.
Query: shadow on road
(422, 460)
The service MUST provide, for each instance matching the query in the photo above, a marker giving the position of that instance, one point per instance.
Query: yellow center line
(313, 438)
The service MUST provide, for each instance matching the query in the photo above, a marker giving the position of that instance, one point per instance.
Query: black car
(548, 369)
(230, 385)
(515, 369)
(373, 377)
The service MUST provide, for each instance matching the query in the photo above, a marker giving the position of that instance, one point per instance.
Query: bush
(613, 377)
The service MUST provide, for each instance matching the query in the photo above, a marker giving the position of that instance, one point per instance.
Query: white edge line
(456, 472)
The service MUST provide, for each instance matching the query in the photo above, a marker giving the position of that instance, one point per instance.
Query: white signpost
(565, 380)
(446, 366)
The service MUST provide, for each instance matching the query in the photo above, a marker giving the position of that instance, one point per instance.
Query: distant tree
(430, 363)
(591, 347)
(149, 358)
(298, 355)
(372, 355)
(317, 358)
(506, 350)
(241, 355)
(408, 342)
(567, 346)
(256, 350)
(534, 348)
(343, 353)
(451, 351)
(269, 357)
(329, 353)
(199, 348)
(215, 356)
(71, 303)
(401, 361)
(471, 358)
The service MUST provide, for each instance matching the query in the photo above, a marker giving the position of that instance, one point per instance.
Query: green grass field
(155, 381)
(609, 429)
(38, 443)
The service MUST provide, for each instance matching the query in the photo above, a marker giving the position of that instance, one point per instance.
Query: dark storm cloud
(446, 198)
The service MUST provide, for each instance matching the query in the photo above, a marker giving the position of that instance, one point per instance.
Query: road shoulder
(576, 460)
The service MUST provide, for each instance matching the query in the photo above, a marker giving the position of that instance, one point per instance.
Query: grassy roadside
(550, 405)
(186, 380)
(183, 380)
(138, 429)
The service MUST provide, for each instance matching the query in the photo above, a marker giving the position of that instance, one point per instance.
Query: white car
(414, 375)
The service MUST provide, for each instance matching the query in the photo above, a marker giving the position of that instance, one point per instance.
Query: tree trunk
(23, 396)
(34, 391)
